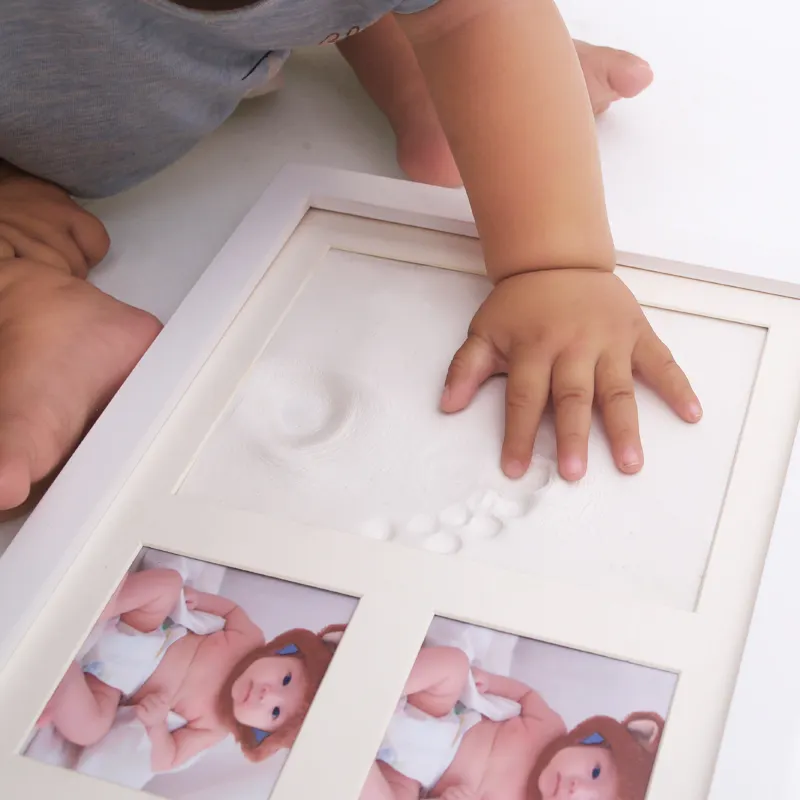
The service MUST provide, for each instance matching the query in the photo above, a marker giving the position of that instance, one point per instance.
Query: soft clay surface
(337, 424)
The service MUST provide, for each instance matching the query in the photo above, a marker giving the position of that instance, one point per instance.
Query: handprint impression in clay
(228, 682)
(529, 756)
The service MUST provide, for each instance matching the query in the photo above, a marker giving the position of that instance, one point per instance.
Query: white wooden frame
(65, 555)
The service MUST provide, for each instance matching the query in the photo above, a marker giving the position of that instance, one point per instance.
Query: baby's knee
(152, 589)
(86, 723)
(458, 665)
(88, 732)
(168, 582)
(92, 729)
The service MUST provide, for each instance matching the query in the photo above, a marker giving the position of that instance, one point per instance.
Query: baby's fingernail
(695, 411)
(572, 468)
(445, 396)
(630, 458)
(515, 469)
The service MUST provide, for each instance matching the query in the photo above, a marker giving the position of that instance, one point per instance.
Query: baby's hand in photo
(191, 597)
(481, 679)
(152, 710)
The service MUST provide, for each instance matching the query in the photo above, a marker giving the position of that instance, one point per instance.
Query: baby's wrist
(588, 266)
(531, 273)
(549, 251)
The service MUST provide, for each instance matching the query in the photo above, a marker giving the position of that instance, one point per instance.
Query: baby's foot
(611, 74)
(65, 348)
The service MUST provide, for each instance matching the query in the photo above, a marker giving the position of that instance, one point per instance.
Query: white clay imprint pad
(337, 424)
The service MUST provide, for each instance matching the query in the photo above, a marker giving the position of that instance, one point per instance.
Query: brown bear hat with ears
(633, 744)
(315, 650)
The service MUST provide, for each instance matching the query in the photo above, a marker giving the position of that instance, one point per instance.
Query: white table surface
(703, 168)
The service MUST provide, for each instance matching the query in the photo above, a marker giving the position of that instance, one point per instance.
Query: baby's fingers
(573, 393)
(617, 401)
(472, 365)
(526, 397)
(656, 366)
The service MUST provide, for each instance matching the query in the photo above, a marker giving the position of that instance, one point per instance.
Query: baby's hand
(580, 335)
(481, 679)
(191, 597)
(152, 710)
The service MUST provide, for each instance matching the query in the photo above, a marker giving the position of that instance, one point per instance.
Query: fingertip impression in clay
(454, 516)
(509, 508)
(541, 474)
(483, 527)
(481, 502)
(442, 542)
(378, 528)
(421, 525)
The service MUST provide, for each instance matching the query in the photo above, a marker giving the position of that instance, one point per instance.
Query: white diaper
(422, 747)
(124, 658)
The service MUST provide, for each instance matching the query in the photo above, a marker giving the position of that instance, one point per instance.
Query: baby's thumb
(472, 365)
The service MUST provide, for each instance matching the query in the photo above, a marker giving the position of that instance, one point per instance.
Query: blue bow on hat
(595, 738)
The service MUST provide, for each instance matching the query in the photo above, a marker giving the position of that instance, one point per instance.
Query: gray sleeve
(413, 6)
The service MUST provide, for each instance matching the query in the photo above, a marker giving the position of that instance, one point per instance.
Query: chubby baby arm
(500, 685)
(533, 707)
(152, 712)
(236, 619)
(508, 89)
(172, 750)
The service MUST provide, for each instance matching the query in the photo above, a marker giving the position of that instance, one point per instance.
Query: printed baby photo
(194, 682)
(487, 714)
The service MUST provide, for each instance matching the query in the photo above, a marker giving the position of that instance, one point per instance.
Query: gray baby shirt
(98, 95)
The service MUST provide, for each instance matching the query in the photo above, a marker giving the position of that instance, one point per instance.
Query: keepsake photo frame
(284, 424)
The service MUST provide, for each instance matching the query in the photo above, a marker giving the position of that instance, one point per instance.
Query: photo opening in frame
(194, 682)
(486, 714)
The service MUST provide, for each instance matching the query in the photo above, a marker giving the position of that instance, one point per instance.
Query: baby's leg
(385, 783)
(444, 672)
(146, 598)
(385, 64)
(82, 708)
